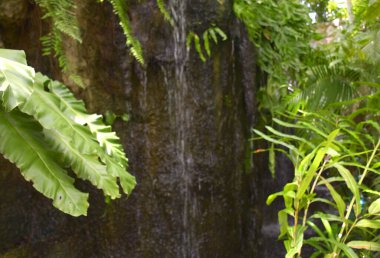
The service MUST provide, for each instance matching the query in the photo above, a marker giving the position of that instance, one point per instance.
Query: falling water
(182, 122)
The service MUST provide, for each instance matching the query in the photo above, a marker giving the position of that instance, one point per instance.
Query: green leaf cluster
(45, 131)
(281, 31)
(63, 22)
(211, 34)
(333, 154)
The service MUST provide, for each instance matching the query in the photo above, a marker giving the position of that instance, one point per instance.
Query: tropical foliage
(63, 20)
(45, 131)
(211, 34)
(326, 121)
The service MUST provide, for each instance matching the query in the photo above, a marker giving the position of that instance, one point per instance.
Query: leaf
(283, 221)
(206, 43)
(311, 172)
(270, 139)
(113, 154)
(340, 204)
(120, 8)
(289, 136)
(16, 78)
(367, 223)
(221, 33)
(85, 166)
(372, 246)
(351, 184)
(14, 55)
(21, 141)
(272, 161)
(374, 208)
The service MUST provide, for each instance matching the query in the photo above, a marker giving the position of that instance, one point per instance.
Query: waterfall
(182, 115)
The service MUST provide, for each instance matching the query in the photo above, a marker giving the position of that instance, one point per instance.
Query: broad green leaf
(311, 172)
(75, 109)
(367, 223)
(85, 166)
(283, 221)
(14, 55)
(289, 187)
(45, 108)
(21, 141)
(372, 246)
(304, 164)
(340, 204)
(351, 184)
(374, 208)
(61, 111)
(16, 79)
(273, 197)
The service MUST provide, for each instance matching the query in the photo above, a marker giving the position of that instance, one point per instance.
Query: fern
(37, 112)
(211, 33)
(62, 15)
(64, 21)
(52, 45)
(120, 9)
(164, 12)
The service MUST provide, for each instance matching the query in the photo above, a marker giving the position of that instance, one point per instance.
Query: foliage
(120, 8)
(327, 122)
(212, 33)
(281, 37)
(164, 12)
(64, 22)
(37, 112)
(336, 154)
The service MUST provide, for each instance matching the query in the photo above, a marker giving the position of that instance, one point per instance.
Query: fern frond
(327, 85)
(120, 9)
(52, 45)
(164, 11)
(63, 22)
(62, 15)
(210, 33)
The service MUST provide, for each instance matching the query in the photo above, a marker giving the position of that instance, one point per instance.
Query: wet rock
(186, 141)
(13, 12)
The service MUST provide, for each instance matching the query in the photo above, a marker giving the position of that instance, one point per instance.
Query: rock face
(186, 139)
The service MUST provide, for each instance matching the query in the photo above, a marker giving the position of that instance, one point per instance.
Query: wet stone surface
(186, 141)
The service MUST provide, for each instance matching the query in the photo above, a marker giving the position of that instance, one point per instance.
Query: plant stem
(312, 190)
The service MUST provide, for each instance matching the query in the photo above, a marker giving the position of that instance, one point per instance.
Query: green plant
(44, 130)
(281, 31)
(331, 153)
(120, 8)
(211, 33)
(63, 22)
(164, 12)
